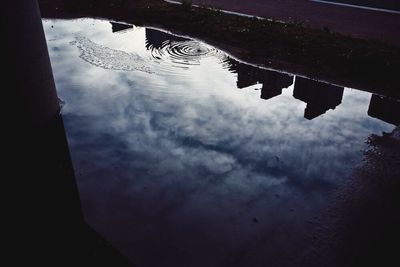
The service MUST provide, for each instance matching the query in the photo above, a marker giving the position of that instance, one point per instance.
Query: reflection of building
(385, 109)
(246, 74)
(319, 96)
(272, 82)
(155, 38)
(117, 27)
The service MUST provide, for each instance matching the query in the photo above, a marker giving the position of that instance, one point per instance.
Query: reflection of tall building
(156, 38)
(246, 74)
(272, 82)
(117, 27)
(319, 96)
(385, 109)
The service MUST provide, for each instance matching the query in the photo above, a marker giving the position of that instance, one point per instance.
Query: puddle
(187, 157)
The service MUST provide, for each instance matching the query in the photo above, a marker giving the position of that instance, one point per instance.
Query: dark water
(186, 157)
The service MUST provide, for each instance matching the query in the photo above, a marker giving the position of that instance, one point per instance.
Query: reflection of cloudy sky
(174, 167)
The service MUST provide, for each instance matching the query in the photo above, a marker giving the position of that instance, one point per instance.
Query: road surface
(381, 24)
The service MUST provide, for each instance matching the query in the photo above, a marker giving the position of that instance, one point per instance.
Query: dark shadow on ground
(46, 212)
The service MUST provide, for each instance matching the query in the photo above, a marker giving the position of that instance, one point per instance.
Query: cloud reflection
(174, 168)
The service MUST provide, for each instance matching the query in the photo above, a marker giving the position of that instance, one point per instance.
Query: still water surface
(186, 157)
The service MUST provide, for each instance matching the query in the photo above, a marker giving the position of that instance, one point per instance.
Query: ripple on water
(171, 57)
(184, 53)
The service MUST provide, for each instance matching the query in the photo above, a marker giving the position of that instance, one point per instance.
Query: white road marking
(359, 7)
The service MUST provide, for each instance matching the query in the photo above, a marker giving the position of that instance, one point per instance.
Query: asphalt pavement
(369, 19)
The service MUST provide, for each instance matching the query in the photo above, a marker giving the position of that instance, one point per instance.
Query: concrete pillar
(46, 227)
(29, 76)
